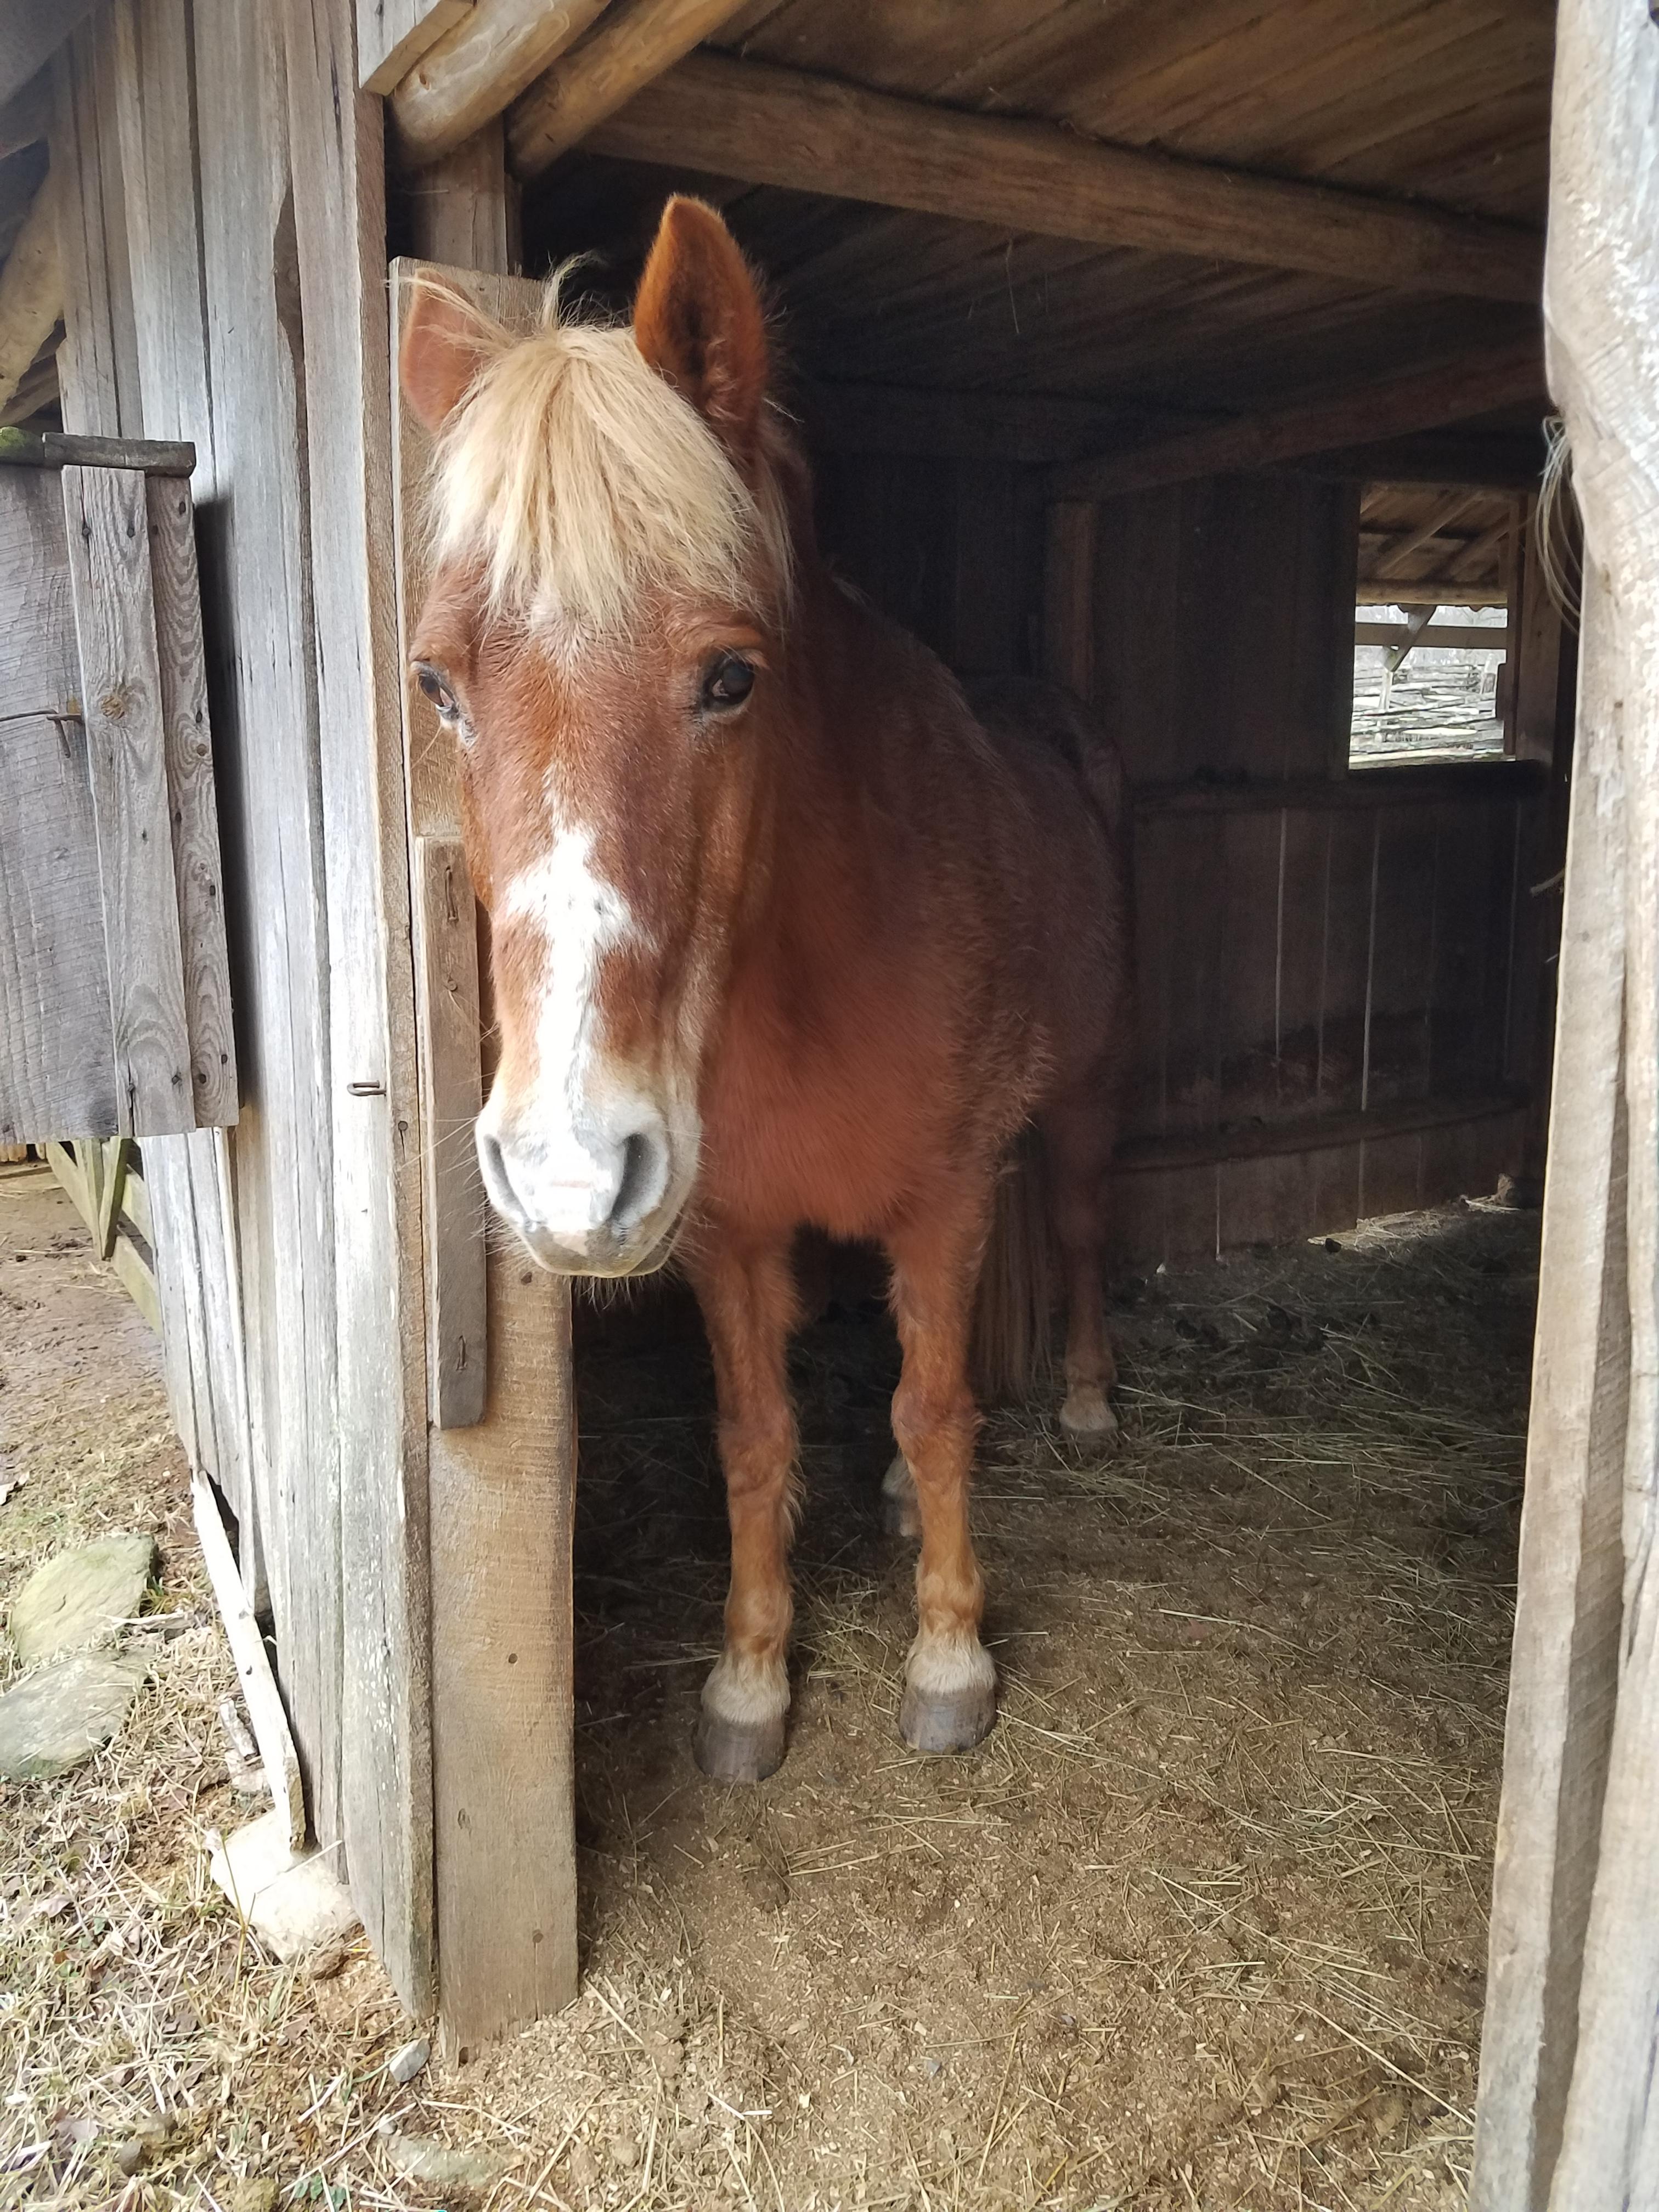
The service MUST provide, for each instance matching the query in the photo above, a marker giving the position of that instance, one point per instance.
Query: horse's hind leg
(748, 1299)
(1078, 1135)
(950, 1683)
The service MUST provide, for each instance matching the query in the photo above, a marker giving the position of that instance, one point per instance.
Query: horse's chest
(835, 1136)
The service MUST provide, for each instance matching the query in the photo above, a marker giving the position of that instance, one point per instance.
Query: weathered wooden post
(1568, 2120)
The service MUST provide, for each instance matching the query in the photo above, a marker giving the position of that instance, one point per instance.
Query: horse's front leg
(950, 1683)
(747, 1294)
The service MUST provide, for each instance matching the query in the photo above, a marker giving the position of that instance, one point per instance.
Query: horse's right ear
(698, 322)
(443, 350)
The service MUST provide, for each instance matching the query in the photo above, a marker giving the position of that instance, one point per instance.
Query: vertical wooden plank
(1565, 1667)
(1401, 957)
(446, 955)
(1157, 846)
(1602, 314)
(987, 600)
(54, 1074)
(1344, 974)
(1325, 561)
(463, 208)
(194, 1233)
(255, 548)
(386, 1792)
(501, 1497)
(1199, 740)
(195, 817)
(1197, 906)
(1135, 676)
(126, 738)
(1248, 954)
(1537, 640)
(1301, 886)
(503, 1718)
(1069, 601)
(1269, 1201)
(1390, 1175)
(97, 362)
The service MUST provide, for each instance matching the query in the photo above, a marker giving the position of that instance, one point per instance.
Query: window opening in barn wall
(1434, 625)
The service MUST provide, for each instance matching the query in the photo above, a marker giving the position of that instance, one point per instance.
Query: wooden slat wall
(1349, 950)
(222, 164)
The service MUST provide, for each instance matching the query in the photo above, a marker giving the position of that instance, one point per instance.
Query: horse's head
(603, 636)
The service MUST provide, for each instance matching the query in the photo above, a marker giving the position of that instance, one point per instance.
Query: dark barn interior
(1344, 978)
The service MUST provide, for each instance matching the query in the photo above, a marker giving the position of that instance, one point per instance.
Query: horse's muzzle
(605, 1207)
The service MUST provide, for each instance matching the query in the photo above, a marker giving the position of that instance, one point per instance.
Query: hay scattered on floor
(1202, 1925)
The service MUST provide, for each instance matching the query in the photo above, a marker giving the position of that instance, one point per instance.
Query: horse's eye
(727, 683)
(434, 687)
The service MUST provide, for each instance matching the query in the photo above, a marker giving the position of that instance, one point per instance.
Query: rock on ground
(56, 1718)
(82, 1598)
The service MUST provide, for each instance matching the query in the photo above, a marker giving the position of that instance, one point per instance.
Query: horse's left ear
(697, 320)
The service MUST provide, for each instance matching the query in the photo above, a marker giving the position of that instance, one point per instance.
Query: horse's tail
(1012, 1316)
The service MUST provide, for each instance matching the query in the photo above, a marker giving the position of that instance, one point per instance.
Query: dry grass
(1202, 1925)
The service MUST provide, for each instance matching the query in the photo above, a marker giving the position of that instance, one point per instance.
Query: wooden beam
(1389, 591)
(1444, 511)
(63, 449)
(31, 291)
(1499, 461)
(1461, 637)
(393, 35)
(31, 32)
(475, 71)
(1421, 399)
(811, 134)
(39, 389)
(1035, 427)
(1307, 1132)
(635, 42)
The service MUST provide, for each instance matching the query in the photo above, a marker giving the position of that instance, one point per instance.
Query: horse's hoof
(737, 1750)
(950, 1701)
(1087, 1412)
(900, 1514)
(955, 1721)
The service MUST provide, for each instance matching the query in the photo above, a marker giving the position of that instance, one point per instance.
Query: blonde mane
(587, 484)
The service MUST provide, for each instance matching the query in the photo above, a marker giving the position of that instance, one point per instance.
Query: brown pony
(784, 932)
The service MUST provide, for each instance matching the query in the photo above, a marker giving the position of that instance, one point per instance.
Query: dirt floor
(1201, 1926)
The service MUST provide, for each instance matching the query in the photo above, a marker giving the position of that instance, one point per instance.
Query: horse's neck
(820, 844)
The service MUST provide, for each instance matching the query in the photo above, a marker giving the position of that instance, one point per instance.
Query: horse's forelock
(584, 485)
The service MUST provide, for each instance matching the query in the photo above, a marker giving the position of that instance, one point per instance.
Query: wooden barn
(1177, 355)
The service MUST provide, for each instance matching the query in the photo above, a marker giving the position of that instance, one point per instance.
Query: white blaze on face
(579, 1156)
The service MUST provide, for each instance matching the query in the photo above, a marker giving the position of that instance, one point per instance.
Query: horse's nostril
(637, 1191)
(490, 1159)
